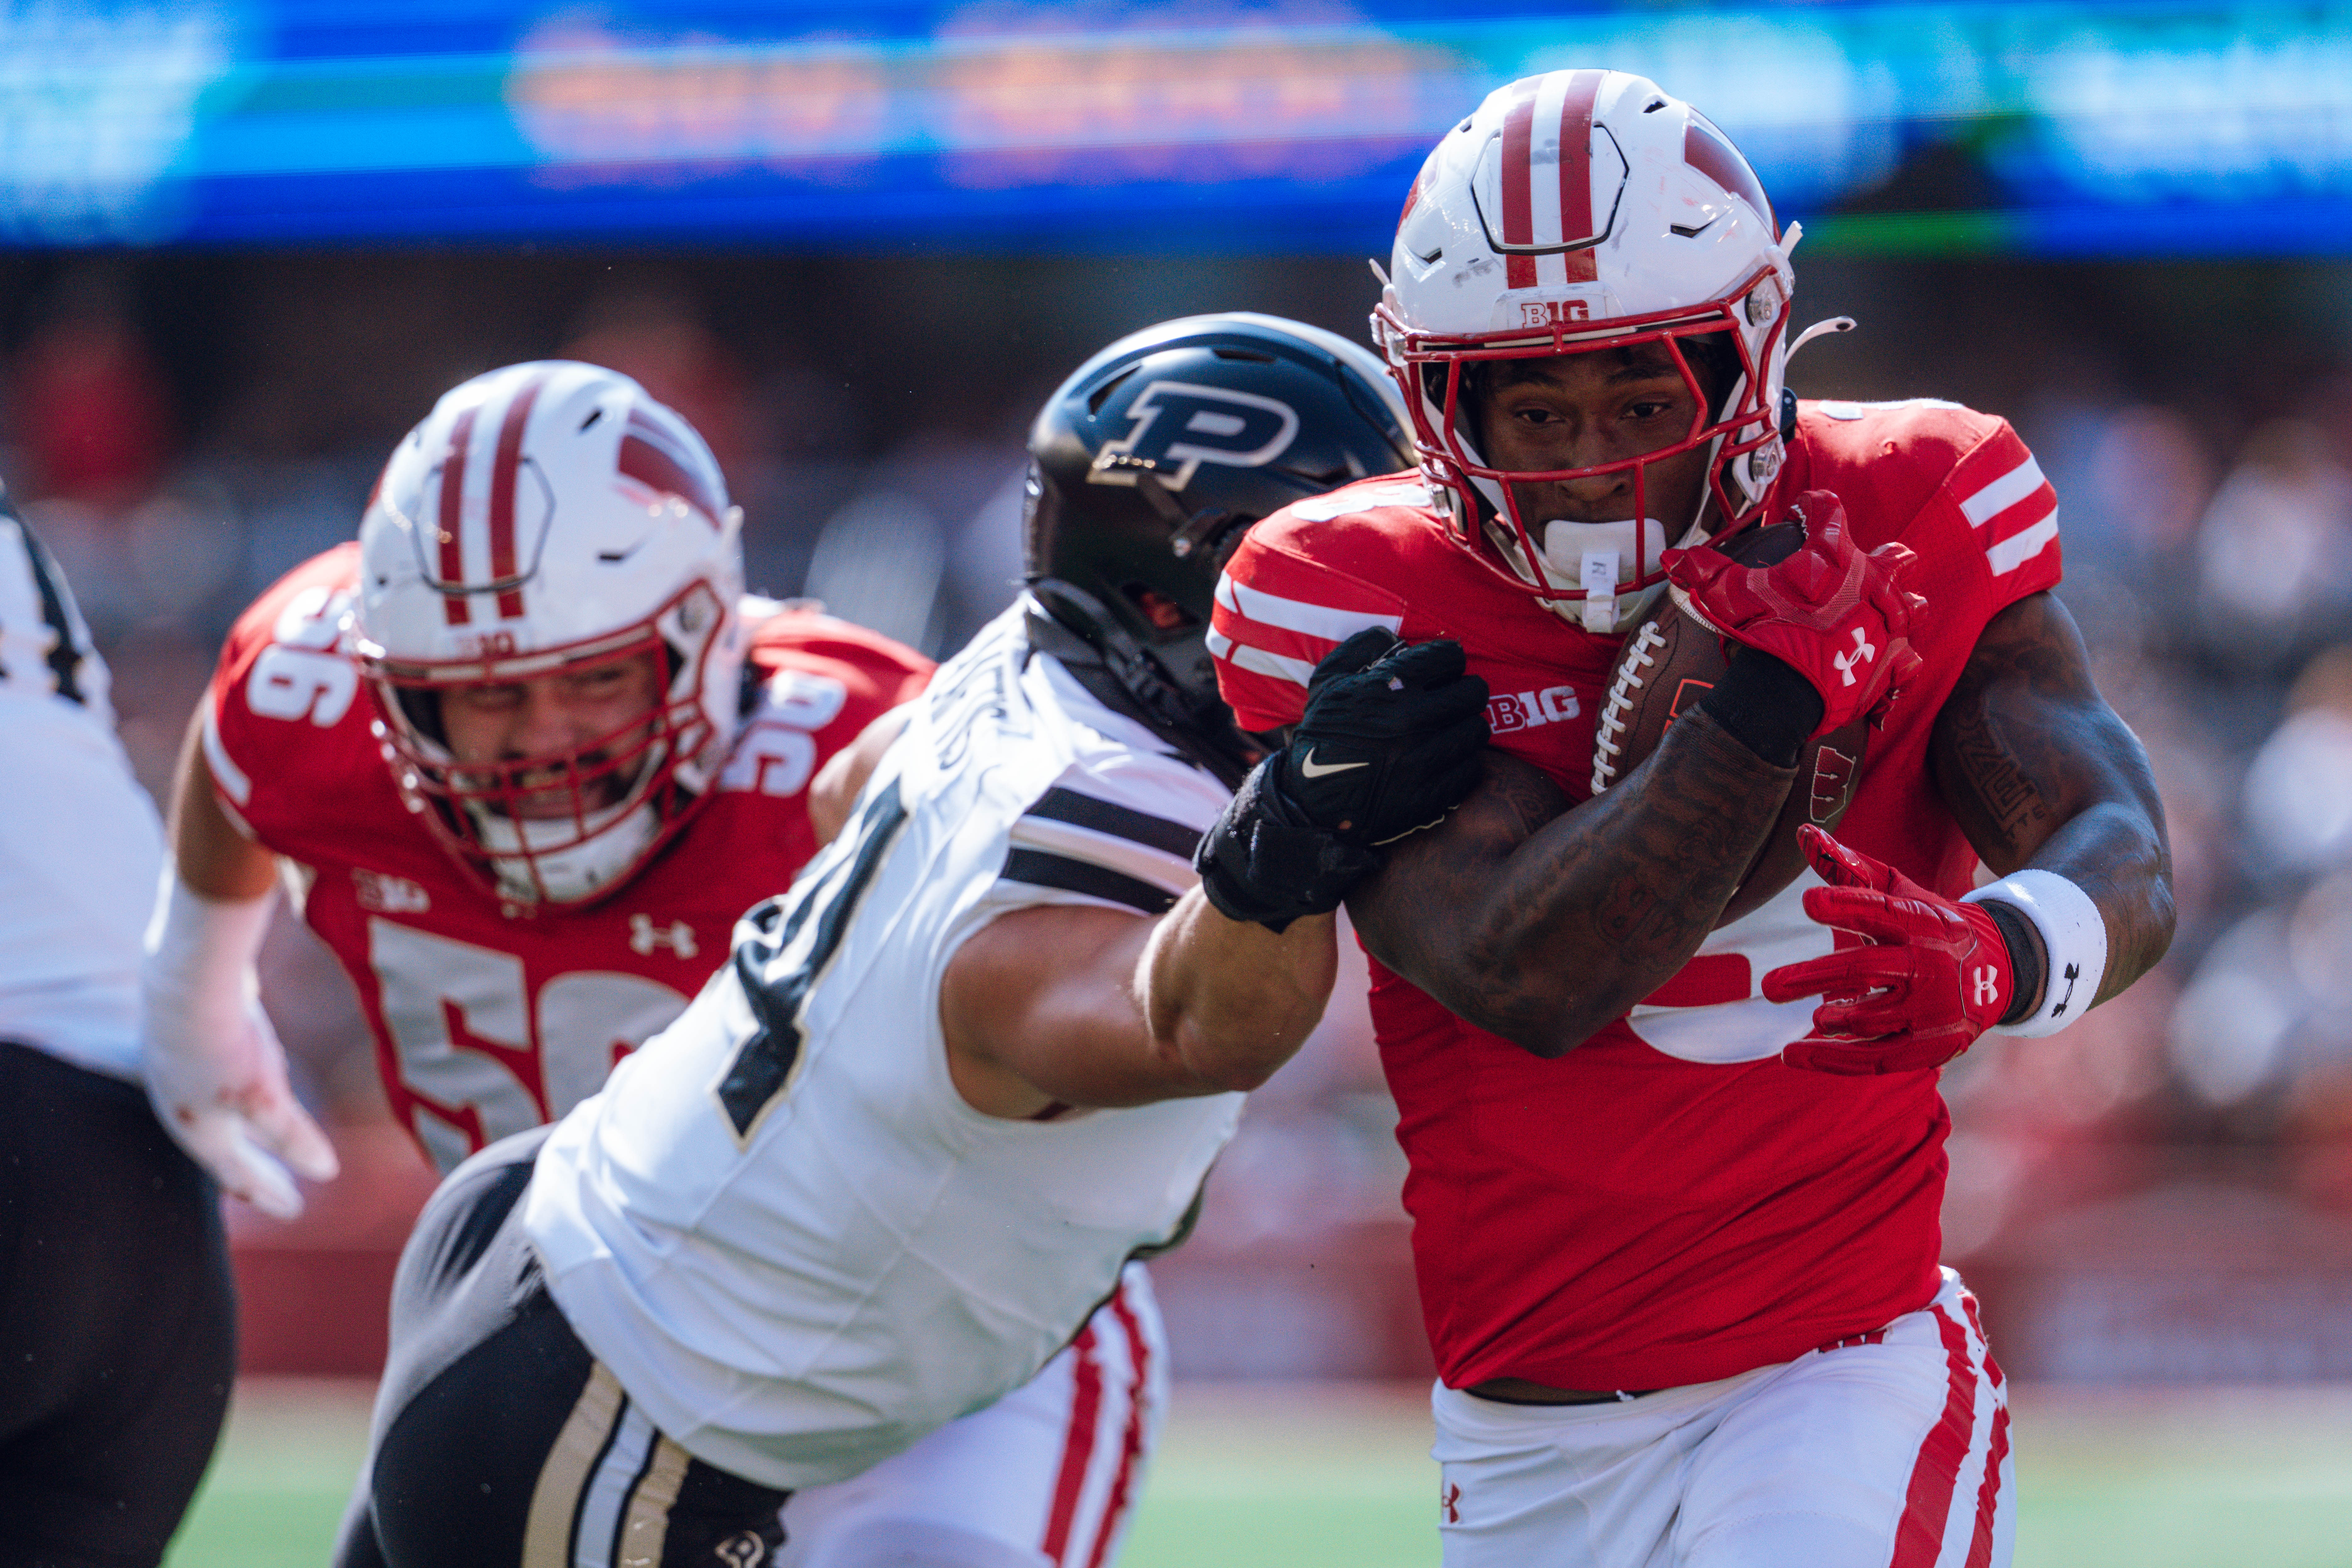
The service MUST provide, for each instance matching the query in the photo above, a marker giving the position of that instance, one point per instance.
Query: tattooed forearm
(2040, 772)
(1541, 923)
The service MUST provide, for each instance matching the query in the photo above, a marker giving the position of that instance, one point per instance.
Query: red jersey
(1667, 1203)
(490, 1017)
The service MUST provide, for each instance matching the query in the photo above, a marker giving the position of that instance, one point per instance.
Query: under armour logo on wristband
(1863, 651)
(1987, 985)
(2073, 973)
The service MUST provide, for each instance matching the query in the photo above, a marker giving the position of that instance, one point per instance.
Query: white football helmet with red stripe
(1575, 211)
(544, 517)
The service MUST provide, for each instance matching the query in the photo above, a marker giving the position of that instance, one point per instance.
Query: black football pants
(500, 1442)
(117, 1322)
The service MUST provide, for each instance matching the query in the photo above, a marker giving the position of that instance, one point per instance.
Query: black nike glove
(1390, 743)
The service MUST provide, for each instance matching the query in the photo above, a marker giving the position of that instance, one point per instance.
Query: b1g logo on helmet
(1179, 425)
(1554, 312)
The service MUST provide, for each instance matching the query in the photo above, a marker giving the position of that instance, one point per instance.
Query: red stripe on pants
(1989, 1493)
(1078, 1449)
(1139, 1357)
(1927, 1505)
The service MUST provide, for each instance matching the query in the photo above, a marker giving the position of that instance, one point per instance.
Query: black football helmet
(1148, 465)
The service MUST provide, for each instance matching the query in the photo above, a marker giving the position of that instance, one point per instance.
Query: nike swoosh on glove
(1389, 739)
(1931, 976)
(1837, 617)
(1390, 743)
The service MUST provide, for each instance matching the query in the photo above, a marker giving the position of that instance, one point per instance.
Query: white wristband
(200, 958)
(2074, 944)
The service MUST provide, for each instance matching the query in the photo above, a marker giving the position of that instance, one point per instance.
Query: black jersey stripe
(1040, 869)
(68, 650)
(1085, 811)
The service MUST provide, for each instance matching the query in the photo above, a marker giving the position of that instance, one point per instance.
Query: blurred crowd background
(2162, 1192)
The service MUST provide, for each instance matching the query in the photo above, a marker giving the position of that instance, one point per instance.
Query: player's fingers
(1877, 1013)
(1868, 913)
(286, 1130)
(1896, 561)
(263, 1182)
(216, 1139)
(1837, 865)
(1465, 738)
(1359, 653)
(1846, 1059)
(1423, 666)
(1809, 977)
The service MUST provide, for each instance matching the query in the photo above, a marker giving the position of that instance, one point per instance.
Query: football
(1671, 659)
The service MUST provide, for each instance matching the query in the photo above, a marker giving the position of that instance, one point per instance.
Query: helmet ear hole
(1164, 613)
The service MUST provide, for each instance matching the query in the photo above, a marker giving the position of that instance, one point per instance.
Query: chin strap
(1117, 673)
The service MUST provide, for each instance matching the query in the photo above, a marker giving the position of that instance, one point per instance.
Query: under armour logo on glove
(1805, 609)
(1862, 652)
(1931, 976)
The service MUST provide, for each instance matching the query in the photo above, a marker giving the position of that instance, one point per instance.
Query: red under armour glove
(1934, 975)
(1835, 615)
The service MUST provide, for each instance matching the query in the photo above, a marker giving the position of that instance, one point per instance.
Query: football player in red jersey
(1675, 1224)
(525, 820)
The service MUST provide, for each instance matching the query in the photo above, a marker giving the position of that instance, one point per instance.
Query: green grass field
(1316, 1475)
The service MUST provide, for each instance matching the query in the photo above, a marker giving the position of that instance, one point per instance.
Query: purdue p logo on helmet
(1180, 425)
(1146, 467)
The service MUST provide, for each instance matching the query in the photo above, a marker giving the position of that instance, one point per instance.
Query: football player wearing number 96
(1675, 1176)
(818, 1244)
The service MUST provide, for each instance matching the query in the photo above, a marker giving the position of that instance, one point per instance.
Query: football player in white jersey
(509, 929)
(117, 1318)
(979, 1057)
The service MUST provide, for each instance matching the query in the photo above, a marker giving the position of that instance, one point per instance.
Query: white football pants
(1888, 1451)
(1046, 1477)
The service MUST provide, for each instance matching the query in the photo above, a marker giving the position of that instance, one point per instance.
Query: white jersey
(80, 847)
(779, 1225)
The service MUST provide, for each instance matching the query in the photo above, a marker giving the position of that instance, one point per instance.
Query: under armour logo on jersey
(1862, 652)
(1179, 425)
(1449, 1500)
(644, 938)
(1987, 986)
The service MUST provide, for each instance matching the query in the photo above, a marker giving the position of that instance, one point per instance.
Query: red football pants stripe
(1927, 1505)
(1079, 1447)
(1139, 1361)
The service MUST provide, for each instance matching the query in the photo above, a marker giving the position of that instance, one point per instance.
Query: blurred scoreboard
(1292, 126)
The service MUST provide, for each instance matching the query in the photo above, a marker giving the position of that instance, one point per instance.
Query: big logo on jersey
(1179, 425)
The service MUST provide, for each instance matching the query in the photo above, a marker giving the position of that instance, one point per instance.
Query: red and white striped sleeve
(1277, 612)
(2012, 514)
